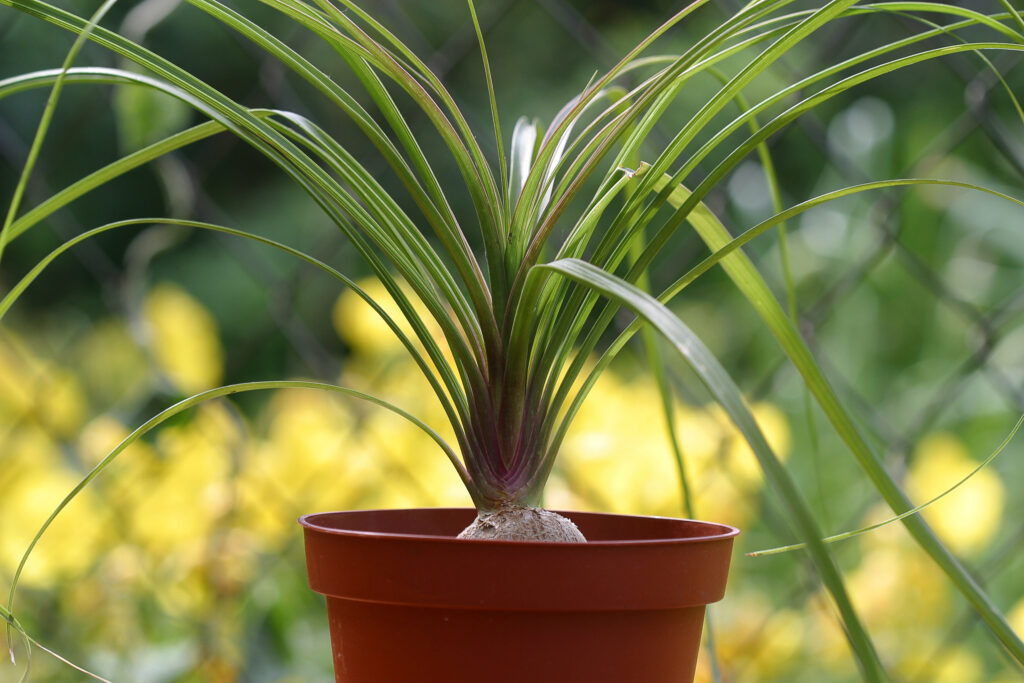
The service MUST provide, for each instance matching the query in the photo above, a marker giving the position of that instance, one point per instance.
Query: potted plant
(571, 216)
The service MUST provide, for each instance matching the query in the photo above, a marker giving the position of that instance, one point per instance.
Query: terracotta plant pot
(407, 601)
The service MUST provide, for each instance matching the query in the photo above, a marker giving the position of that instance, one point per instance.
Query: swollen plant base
(516, 523)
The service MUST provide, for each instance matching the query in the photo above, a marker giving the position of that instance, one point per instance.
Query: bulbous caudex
(518, 523)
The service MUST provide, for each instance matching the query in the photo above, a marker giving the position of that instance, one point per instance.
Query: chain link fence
(988, 360)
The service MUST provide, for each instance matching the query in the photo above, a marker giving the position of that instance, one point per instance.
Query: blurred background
(183, 562)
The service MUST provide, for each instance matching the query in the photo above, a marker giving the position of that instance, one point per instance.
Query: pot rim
(309, 521)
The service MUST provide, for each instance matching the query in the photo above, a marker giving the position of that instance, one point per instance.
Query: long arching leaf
(193, 401)
(721, 386)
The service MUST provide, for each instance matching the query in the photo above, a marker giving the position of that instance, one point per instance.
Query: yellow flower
(189, 485)
(897, 588)
(618, 457)
(969, 517)
(741, 461)
(35, 483)
(719, 499)
(896, 584)
(311, 460)
(956, 665)
(783, 638)
(616, 454)
(362, 328)
(36, 389)
(826, 639)
(700, 434)
(415, 472)
(111, 364)
(204, 572)
(756, 638)
(1015, 617)
(129, 477)
(183, 338)
(105, 433)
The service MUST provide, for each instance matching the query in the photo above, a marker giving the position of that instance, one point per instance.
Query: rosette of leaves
(571, 216)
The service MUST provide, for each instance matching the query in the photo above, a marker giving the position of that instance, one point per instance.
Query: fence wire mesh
(988, 361)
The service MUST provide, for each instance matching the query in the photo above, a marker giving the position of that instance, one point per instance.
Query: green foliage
(596, 196)
(145, 117)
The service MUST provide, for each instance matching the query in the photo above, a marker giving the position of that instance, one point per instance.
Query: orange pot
(408, 602)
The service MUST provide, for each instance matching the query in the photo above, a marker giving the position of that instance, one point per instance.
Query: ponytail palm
(570, 218)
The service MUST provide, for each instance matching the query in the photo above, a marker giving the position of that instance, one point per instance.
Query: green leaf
(191, 402)
(98, 178)
(14, 625)
(721, 386)
(493, 101)
(863, 530)
(453, 401)
(749, 281)
(524, 145)
(146, 116)
(44, 121)
(343, 209)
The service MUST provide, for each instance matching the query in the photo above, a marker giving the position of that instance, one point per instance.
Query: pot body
(407, 601)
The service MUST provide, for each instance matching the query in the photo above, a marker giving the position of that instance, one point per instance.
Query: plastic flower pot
(407, 601)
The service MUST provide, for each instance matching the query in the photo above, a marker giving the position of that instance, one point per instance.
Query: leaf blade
(718, 382)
